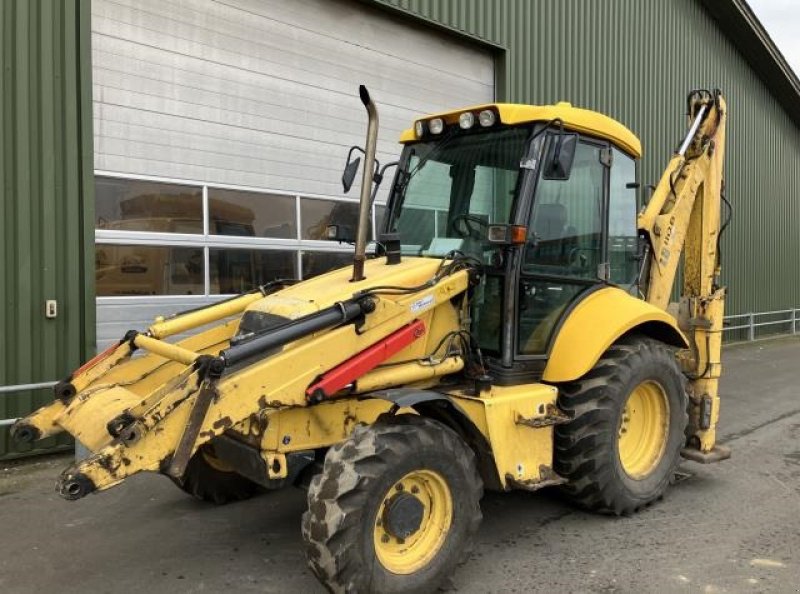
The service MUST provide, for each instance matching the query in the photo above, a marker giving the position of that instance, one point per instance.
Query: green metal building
(111, 107)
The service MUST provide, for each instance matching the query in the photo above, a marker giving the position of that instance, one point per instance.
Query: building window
(251, 214)
(135, 205)
(149, 270)
(316, 215)
(238, 270)
(157, 237)
(315, 263)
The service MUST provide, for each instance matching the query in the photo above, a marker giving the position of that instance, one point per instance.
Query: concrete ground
(733, 527)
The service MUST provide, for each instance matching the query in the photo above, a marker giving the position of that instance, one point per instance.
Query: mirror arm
(355, 147)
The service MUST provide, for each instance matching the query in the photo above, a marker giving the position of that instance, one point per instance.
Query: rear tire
(620, 451)
(207, 479)
(354, 508)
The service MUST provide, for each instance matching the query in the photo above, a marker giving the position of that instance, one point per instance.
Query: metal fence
(21, 388)
(765, 319)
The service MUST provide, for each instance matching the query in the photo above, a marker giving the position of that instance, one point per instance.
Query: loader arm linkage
(188, 393)
(683, 218)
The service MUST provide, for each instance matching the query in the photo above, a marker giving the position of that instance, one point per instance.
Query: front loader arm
(212, 391)
(682, 218)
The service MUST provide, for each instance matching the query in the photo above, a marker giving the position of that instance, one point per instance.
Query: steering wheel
(578, 258)
(469, 226)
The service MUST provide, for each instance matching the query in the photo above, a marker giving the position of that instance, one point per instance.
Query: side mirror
(560, 155)
(349, 174)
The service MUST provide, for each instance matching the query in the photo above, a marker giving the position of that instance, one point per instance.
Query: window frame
(207, 240)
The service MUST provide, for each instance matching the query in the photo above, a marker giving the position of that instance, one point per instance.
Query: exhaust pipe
(366, 185)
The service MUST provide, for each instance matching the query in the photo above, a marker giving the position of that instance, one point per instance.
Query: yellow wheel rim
(404, 546)
(213, 461)
(643, 429)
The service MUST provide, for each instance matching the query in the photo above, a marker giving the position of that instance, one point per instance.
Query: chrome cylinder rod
(693, 130)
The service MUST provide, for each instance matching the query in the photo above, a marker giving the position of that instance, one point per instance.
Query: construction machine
(513, 330)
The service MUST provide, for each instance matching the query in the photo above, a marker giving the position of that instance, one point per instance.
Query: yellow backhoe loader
(513, 331)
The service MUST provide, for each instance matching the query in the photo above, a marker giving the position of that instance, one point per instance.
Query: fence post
(751, 330)
(794, 321)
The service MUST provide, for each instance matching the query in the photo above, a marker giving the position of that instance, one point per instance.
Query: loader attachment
(152, 412)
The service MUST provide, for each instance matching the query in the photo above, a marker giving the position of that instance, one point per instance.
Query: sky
(781, 19)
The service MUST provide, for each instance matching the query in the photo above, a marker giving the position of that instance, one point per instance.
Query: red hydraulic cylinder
(345, 373)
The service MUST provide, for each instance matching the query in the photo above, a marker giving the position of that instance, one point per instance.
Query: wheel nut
(399, 486)
(415, 489)
(401, 541)
(385, 538)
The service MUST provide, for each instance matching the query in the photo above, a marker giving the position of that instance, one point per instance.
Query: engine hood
(322, 291)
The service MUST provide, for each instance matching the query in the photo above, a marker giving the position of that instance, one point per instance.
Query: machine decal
(422, 304)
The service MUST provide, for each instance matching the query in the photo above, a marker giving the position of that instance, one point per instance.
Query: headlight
(436, 125)
(419, 129)
(466, 120)
(487, 118)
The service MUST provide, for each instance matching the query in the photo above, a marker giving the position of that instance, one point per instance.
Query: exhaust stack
(366, 185)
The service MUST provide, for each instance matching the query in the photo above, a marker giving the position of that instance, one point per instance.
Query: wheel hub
(403, 516)
(643, 429)
(413, 522)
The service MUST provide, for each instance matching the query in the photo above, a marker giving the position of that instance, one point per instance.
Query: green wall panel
(46, 245)
(636, 61)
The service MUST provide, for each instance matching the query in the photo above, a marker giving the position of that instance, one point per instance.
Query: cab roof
(579, 120)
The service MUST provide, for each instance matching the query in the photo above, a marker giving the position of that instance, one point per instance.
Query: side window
(622, 209)
(565, 234)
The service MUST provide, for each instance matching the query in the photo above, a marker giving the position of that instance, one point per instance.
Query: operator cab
(545, 197)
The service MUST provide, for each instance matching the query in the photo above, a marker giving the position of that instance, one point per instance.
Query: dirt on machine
(512, 329)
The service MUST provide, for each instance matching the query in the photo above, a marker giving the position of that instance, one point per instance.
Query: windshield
(455, 187)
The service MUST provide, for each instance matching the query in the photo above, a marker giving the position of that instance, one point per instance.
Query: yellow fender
(596, 322)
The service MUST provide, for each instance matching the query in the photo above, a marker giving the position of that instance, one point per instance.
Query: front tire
(393, 509)
(208, 479)
(623, 445)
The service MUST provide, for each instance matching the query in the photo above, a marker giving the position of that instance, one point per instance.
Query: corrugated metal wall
(635, 61)
(46, 248)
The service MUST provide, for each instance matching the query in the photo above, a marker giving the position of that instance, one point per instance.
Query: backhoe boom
(682, 218)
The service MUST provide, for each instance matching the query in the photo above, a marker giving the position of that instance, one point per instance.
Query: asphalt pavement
(730, 527)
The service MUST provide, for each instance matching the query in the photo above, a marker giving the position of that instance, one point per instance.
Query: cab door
(566, 250)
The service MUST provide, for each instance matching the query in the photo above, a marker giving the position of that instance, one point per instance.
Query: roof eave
(738, 22)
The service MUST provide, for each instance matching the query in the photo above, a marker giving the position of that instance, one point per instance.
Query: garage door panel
(129, 124)
(135, 91)
(121, 81)
(324, 165)
(265, 150)
(280, 25)
(389, 37)
(280, 100)
(313, 67)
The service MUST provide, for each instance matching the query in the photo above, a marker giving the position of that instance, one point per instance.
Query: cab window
(565, 232)
(564, 250)
(622, 210)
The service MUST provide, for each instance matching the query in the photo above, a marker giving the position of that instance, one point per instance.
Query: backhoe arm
(683, 218)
